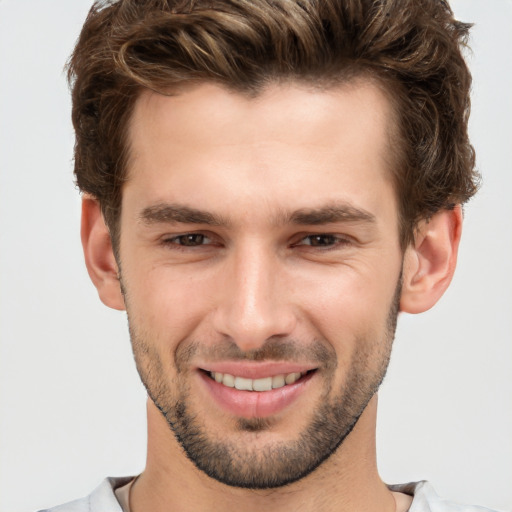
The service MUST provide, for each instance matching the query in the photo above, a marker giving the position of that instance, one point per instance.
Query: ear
(99, 256)
(429, 262)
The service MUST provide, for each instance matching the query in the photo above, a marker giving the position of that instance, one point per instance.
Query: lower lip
(255, 404)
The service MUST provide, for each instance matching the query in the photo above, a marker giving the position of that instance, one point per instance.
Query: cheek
(348, 305)
(168, 303)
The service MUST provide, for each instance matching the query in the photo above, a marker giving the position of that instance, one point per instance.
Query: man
(266, 186)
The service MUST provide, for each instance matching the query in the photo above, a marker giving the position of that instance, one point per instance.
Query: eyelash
(334, 241)
(175, 239)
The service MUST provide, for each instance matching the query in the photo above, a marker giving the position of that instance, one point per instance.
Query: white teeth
(228, 380)
(243, 384)
(291, 378)
(278, 381)
(264, 384)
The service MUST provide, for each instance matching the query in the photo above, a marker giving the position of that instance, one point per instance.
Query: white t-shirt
(112, 495)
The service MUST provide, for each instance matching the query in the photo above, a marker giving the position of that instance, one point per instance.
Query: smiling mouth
(261, 385)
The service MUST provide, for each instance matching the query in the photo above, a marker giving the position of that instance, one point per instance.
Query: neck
(347, 481)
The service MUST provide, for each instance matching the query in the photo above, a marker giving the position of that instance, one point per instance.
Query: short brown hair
(412, 47)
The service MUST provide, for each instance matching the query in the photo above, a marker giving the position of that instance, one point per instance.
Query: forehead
(290, 145)
(315, 112)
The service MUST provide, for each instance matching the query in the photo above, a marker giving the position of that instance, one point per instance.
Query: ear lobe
(429, 263)
(99, 255)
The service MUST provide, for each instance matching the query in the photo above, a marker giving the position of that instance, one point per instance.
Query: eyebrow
(173, 213)
(329, 214)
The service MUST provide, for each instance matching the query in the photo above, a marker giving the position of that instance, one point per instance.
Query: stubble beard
(276, 464)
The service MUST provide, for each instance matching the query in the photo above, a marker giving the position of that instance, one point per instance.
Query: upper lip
(256, 370)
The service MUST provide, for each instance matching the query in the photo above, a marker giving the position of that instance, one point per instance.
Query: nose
(255, 302)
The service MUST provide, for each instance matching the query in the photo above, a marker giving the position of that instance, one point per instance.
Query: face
(260, 264)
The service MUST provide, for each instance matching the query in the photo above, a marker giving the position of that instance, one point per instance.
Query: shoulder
(425, 499)
(102, 499)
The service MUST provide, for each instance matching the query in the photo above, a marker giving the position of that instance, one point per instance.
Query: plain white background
(72, 409)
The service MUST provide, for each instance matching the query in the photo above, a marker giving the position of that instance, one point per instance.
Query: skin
(260, 276)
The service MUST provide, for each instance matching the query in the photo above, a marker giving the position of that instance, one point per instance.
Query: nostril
(251, 329)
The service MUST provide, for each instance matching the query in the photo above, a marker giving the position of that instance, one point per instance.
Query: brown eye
(190, 239)
(321, 240)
